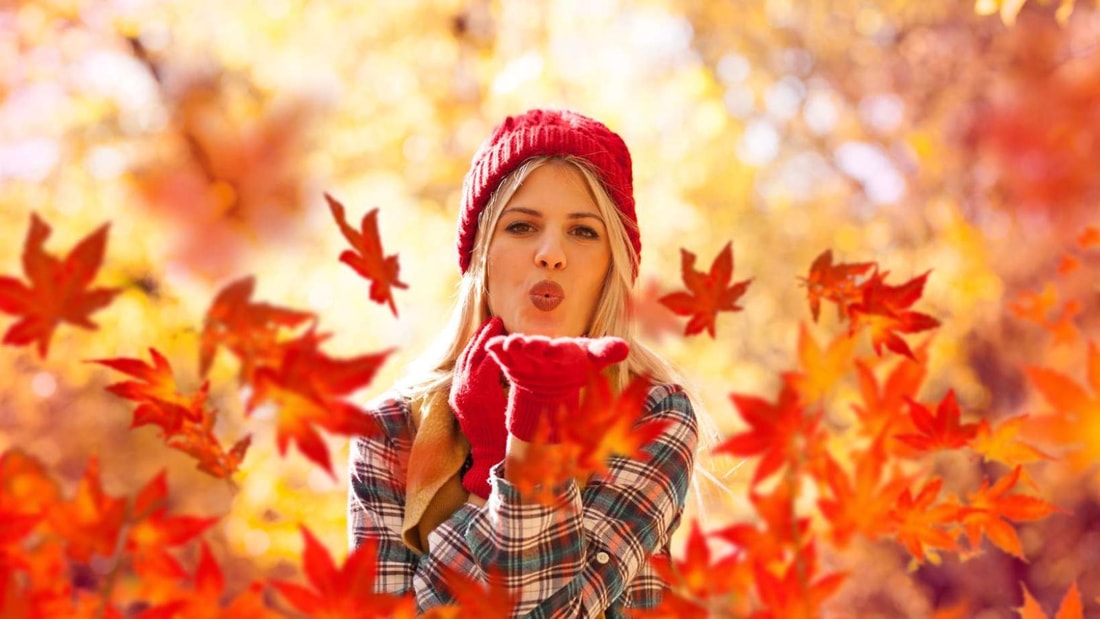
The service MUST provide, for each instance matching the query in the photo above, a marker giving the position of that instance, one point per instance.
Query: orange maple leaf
(794, 594)
(187, 423)
(1000, 444)
(1067, 264)
(780, 531)
(861, 503)
(884, 309)
(91, 522)
(783, 434)
(699, 576)
(159, 401)
(707, 293)
(206, 598)
(606, 424)
(822, 368)
(479, 600)
(940, 431)
(1076, 418)
(58, 289)
(922, 525)
(345, 591)
(1035, 306)
(880, 414)
(839, 283)
(990, 507)
(153, 530)
(367, 258)
(1071, 607)
(249, 330)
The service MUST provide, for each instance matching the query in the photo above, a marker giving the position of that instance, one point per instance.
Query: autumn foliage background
(933, 136)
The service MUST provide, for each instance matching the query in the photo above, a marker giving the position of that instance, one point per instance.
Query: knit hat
(545, 132)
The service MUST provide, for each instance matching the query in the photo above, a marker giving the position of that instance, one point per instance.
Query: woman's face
(549, 255)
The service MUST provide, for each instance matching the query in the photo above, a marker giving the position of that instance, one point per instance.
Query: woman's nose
(550, 253)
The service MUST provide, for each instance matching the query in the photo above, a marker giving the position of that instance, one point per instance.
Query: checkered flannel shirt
(585, 555)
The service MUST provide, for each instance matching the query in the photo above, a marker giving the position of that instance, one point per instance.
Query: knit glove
(478, 401)
(547, 375)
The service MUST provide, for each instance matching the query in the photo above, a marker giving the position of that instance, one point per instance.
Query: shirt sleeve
(376, 495)
(575, 557)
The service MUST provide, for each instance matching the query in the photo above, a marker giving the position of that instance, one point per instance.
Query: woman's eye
(586, 232)
(519, 227)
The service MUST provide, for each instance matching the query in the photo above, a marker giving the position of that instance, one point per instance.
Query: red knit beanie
(546, 132)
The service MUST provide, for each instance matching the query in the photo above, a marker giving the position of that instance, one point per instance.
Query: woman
(548, 248)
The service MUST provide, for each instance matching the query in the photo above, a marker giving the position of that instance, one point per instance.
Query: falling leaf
(839, 283)
(90, 523)
(1071, 607)
(1068, 264)
(707, 293)
(305, 388)
(607, 424)
(782, 434)
(861, 503)
(822, 368)
(159, 401)
(884, 309)
(940, 431)
(480, 600)
(249, 330)
(921, 525)
(367, 258)
(793, 593)
(880, 412)
(989, 508)
(1075, 421)
(58, 289)
(344, 591)
(1000, 443)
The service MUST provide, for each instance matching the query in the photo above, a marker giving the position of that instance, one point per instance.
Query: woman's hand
(547, 375)
(478, 401)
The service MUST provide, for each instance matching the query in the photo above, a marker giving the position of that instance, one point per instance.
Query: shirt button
(601, 558)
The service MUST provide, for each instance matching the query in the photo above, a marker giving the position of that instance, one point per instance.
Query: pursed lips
(546, 295)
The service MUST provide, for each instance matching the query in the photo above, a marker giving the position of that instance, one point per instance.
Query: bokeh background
(919, 135)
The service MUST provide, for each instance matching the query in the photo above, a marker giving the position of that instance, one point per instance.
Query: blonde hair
(430, 375)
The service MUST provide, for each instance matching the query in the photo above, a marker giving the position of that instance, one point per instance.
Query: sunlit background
(919, 135)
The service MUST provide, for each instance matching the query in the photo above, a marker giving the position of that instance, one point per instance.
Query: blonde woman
(548, 247)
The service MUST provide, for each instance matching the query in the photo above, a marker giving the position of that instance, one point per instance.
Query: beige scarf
(433, 489)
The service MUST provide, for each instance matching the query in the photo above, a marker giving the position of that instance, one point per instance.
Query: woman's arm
(376, 495)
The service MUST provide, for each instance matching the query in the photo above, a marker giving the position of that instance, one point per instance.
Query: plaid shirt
(585, 555)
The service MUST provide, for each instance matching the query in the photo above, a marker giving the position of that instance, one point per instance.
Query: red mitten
(477, 398)
(547, 375)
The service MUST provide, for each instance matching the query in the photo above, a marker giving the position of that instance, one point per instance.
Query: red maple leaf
(249, 330)
(91, 522)
(699, 575)
(783, 434)
(58, 289)
(839, 283)
(476, 599)
(884, 309)
(606, 424)
(306, 387)
(707, 293)
(345, 591)
(367, 258)
(939, 431)
(822, 367)
(159, 401)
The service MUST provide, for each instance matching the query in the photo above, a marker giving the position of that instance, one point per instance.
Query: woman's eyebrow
(535, 213)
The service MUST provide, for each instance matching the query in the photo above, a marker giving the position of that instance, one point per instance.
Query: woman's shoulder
(668, 396)
(392, 411)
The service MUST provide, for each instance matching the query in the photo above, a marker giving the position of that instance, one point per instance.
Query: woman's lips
(546, 295)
